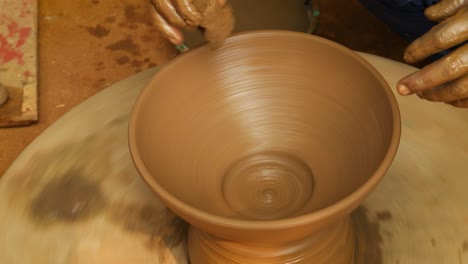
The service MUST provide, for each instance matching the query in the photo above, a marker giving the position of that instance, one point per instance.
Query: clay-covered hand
(445, 80)
(215, 17)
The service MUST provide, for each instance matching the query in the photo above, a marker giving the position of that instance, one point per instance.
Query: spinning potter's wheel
(74, 196)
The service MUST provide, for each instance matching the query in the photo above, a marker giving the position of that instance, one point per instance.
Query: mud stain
(384, 215)
(98, 31)
(69, 198)
(126, 45)
(368, 238)
(137, 14)
(123, 60)
(128, 25)
(138, 63)
(99, 83)
(163, 228)
(465, 246)
(99, 66)
(110, 19)
(146, 38)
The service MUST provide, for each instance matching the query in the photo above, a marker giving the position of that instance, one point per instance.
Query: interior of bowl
(272, 125)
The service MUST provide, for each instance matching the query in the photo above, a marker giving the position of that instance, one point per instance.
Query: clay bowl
(266, 146)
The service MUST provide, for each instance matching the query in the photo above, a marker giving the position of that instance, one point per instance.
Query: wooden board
(74, 196)
(18, 61)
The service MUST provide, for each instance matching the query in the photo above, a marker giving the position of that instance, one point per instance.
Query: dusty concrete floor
(87, 45)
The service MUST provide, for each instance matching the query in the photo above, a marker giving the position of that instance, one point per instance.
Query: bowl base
(335, 244)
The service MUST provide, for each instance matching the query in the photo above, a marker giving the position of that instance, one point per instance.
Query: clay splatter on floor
(127, 44)
(98, 31)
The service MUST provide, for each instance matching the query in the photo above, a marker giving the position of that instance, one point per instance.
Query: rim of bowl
(342, 205)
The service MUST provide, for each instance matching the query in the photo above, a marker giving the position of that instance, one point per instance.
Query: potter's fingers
(452, 91)
(450, 67)
(444, 9)
(445, 35)
(218, 24)
(460, 103)
(168, 12)
(168, 31)
(222, 2)
(189, 12)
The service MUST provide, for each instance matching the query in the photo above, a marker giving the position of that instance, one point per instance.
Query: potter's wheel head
(274, 127)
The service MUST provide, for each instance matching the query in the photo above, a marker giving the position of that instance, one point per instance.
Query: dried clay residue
(137, 14)
(110, 19)
(217, 22)
(384, 215)
(100, 83)
(123, 60)
(163, 228)
(69, 198)
(98, 31)
(368, 238)
(99, 66)
(127, 45)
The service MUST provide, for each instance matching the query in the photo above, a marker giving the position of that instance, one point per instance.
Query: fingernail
(176, 40)
(403, 89)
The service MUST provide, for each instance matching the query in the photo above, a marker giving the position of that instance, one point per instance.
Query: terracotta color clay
(217, 21)
(266, 145)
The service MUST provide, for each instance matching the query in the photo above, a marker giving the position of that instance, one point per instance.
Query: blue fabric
(405, 17)
(425, 3)
(408, 19)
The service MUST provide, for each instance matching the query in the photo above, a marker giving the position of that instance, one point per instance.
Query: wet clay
(334, 244)
(274, 130)
(217, 22)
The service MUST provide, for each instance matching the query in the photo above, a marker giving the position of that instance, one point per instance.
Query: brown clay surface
(415, 226)
(57, 33)
(217, 22)
(334, 244)
(268, 138)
